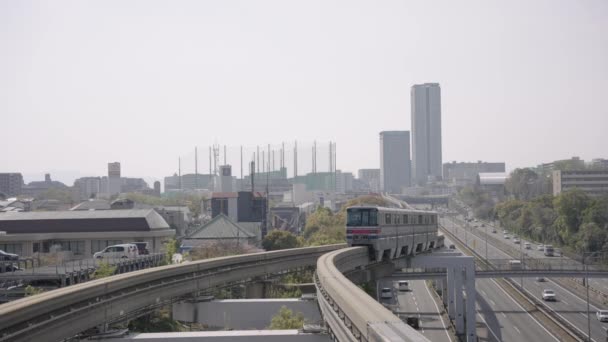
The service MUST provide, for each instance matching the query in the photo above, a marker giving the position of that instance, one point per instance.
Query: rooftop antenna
(242, 185)
(258, 160)
(295, 160)
(179, 170)
(225, 155)
(196, 167)
(210, 163)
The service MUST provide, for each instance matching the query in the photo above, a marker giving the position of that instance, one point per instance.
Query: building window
(405, 219)
(76, 247)
(15, 248)
(420, 220)
(387, 218)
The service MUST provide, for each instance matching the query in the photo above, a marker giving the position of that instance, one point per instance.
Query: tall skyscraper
(114, 181)
(394, 161)
(426, 132)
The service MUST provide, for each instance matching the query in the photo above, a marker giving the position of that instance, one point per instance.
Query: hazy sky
(83, 83)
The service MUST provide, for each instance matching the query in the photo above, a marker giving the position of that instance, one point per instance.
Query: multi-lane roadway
(568, 305)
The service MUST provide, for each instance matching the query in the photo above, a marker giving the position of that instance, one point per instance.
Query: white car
(516, 241)
(602, 315)
(527, 245)
(540, 248)
(403, 285)
(123, 251)
(549, 295)
(386, 293)
(507, 236)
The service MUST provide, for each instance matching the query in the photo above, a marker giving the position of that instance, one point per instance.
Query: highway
(418, 302)
(502, 318)
(569, 306)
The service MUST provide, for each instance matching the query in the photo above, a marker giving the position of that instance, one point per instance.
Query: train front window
(361, 217)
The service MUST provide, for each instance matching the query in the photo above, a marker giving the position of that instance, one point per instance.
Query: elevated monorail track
(352, 315)
(63, 313)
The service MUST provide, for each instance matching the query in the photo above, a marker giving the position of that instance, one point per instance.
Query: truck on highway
(515, 264)
(549, 250)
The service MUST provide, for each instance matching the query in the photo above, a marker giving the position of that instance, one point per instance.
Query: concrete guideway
(62, 313)
(351, 314)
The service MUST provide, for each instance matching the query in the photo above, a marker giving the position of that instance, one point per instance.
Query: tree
(30, 290)
(221, 248)
(590, 238)
(279, 239)
(521, 183)
(171, 248)
(285, 319)
(104, 270)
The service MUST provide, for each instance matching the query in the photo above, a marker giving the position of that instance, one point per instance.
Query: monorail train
(392, 232)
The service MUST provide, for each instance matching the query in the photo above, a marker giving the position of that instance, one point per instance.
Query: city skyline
(214, 71)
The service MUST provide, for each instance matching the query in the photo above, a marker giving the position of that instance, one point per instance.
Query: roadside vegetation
(323, 227)
(573, 220)
(286, 319)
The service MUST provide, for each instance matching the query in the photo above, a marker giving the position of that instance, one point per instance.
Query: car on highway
(452, 246)
(516, 241)
(527, 245)
(602, 315)
(5, 256)
(494, 231)
(540, 247)
(403, 285)
(549, 295)
(515, 264)
(540, 279)
(386, 293)
(507, 236)
(504, 231)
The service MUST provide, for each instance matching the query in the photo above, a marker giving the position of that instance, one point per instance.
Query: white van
(403, 285)
(515, 264)
(127, 250)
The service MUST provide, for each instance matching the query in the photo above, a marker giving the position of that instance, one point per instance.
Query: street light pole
(486, 242)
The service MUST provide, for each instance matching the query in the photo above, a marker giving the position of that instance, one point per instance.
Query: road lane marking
(515, 326)
(488, 326)
(492, 302)
(439, 313)
(524, 310)
(503, 315)
(563, 301)
(584, 315)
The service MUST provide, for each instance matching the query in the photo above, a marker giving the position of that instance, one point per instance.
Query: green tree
(171, 248)
(522, 183)
(30, 290)
(569, 207)
(590, 238)
(104, 270)
(286, 319)
(279, 239)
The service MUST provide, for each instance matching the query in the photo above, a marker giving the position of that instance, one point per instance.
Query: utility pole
(179, 170)
(195, 167)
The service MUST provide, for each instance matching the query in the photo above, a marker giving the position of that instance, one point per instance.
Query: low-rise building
(592, 182)
(466, 173)
(80, 232)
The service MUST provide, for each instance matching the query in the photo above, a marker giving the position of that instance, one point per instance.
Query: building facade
(87, 187)
(466, 173)
(370, 179)
(114, 180)
(395, 168)
(594, 183)
(11, 183)
(426, 133)
(81, 233)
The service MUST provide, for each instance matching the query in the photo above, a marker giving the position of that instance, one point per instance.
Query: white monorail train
(391, 232)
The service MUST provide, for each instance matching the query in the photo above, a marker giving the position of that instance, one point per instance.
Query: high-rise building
(11, 183)
(394, 161)
(426, 132)
(114, 181)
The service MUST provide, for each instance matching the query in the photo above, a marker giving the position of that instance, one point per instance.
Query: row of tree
(572, 219)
